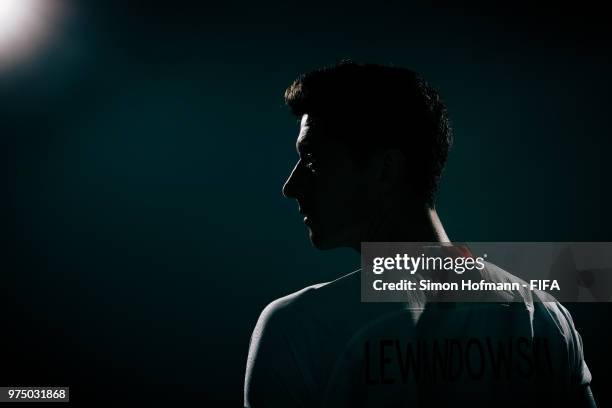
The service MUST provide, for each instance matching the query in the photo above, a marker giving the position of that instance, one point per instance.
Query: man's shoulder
(524, 293)
(311, 300)
(546, 310)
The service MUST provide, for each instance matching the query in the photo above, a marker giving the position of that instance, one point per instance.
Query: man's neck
(413, 225)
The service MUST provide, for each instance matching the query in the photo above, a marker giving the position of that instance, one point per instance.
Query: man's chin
(321, 242)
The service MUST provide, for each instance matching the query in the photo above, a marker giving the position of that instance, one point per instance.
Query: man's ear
(386, 169)
(389, 168)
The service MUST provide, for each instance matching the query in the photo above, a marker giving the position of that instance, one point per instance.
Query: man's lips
(307, 216)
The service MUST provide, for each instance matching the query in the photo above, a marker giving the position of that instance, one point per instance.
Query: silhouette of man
(372, 145)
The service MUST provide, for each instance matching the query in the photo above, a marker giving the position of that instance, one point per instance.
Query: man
(372, 144)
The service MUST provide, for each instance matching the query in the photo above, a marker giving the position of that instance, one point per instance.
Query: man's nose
(292, 185)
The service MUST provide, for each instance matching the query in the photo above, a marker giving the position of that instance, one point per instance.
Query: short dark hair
(372, 107)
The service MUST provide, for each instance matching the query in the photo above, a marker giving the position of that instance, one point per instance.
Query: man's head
(368, 134)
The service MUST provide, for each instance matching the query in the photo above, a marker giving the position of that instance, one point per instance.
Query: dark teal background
(144, 153)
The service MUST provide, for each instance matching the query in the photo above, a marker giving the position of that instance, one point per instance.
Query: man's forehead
(307, 136)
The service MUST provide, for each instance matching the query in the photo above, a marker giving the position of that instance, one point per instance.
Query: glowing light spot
(24, 26)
